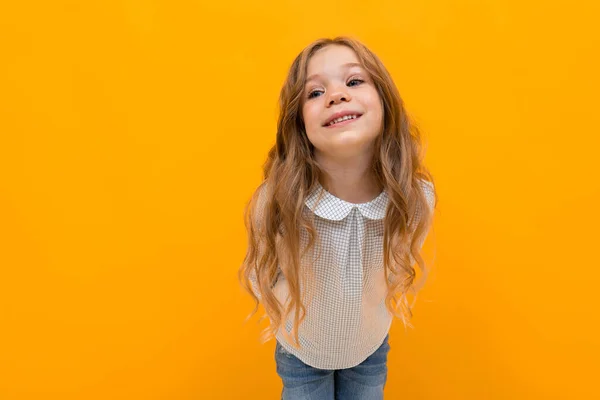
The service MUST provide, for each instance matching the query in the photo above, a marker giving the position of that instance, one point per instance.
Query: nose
(337, 96)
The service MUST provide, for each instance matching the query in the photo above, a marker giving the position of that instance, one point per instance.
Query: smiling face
(337, 87)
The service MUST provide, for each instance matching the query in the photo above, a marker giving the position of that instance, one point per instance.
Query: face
(337, 87)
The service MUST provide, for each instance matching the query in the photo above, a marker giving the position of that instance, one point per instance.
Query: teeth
(344, 118)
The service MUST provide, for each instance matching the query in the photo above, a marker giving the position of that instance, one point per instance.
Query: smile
(345, 120)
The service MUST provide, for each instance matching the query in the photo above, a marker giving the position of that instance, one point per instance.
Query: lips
(342, 114)
(341, 123)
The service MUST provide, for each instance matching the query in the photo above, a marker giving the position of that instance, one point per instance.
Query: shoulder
(429, 191)
(260, 200)
(261, 193)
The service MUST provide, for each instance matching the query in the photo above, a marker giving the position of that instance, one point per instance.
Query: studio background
(132, 133)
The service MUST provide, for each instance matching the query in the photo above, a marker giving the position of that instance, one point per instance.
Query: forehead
(330, 59)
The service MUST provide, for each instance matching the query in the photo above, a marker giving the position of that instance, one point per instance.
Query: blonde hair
(274, 215)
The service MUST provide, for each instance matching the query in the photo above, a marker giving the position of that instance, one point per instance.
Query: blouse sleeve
(428, 189)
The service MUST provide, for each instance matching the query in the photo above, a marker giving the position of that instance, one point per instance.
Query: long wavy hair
(274, 216)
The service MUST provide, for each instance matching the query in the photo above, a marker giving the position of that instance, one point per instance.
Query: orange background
(132, 134)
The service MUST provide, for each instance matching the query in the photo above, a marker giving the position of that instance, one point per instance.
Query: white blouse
(346, 317)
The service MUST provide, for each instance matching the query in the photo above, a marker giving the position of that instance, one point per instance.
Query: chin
(352, 135)
(349, 142)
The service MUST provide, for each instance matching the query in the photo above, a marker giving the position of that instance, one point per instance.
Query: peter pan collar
(333, 208)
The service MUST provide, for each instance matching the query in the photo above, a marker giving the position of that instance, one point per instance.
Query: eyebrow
(347, 66)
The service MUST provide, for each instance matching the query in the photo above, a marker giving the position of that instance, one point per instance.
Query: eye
(313, 94)
(356, 81)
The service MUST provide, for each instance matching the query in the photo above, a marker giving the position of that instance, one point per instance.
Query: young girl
(335, 228)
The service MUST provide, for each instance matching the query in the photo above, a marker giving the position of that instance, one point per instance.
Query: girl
(337, 224)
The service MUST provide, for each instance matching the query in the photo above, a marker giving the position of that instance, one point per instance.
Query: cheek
(310, 117)
(376, 115)
(375, 102)
(377, 107)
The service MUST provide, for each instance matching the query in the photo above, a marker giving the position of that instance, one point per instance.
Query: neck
(353, 181)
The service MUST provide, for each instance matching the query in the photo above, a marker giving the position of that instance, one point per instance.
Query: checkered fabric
(346, 317)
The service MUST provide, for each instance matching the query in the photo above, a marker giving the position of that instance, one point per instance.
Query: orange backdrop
(132, 133)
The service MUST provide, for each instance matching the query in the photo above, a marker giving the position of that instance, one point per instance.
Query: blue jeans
(303, 382)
